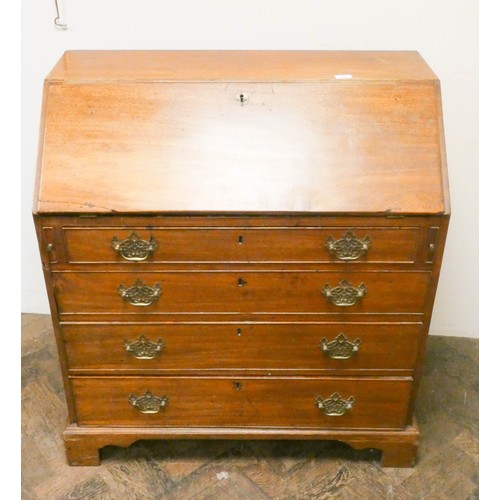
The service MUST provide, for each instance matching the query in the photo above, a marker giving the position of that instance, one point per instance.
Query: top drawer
(181, 244)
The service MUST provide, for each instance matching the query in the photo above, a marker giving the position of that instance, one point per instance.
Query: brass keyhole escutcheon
(240, 240)
(242, 98)
(238, 386)
(239, 332)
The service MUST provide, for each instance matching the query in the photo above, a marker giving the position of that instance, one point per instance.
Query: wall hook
(57, 20)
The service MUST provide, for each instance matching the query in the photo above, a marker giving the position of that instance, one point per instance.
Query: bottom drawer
(235, 402)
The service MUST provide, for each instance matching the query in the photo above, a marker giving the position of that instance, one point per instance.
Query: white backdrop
(444, 32)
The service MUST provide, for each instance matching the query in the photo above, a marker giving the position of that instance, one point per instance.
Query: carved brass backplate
(348, 247)
(148, 403)
(335, 406)
(344, 294)
(134, 248)
(340, 347)
(143, 348)
(139, 294)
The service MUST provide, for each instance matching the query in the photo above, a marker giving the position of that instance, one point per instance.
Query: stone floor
(447, 410)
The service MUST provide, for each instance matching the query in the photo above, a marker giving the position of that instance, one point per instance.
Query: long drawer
(192, 347)
(241, 292)
(163, 244)
(233, 402)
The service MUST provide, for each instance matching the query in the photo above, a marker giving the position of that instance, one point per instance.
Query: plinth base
(399, 447)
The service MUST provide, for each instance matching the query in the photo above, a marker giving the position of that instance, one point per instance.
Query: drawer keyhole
(239, 332)
(238, 386)
(240, 240)
(241, 282)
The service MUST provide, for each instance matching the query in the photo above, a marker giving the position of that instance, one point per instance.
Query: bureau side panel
(437, 232)
(46, 243)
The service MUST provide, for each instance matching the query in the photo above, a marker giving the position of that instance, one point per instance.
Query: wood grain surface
(191, 244)
(447, 465)
(294, 147)
(209, 65)
(242, 401)
(241, 292)
(188, 348)
(234, 169)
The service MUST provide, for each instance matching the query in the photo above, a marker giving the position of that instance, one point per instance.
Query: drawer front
(336, 244)
(233, 402)
(241, 292)
(240, 346)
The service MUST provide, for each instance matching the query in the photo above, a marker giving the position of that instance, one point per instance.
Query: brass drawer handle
(344, 294)
(148, 403)
(143, 348)
(134, 248)
(139, 294)
(335, 406)
(348, 247)
(340, 347)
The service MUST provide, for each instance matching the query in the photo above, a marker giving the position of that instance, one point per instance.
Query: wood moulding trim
(271, 221)
(234, 266)
(242, 322)
(247, 270)
(236, 227)
(207, 317)
(235, 318)
(78, 210)
(79, 372)
(399, 447)
(243, 377)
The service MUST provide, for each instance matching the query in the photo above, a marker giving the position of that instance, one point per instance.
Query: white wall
(444, 32)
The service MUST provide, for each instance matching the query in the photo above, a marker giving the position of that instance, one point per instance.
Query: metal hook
(57, 20)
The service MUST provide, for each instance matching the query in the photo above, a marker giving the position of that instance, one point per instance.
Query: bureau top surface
(264, 66)
(245, 132)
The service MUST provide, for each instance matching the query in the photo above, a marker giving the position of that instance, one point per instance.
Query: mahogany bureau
(241, 244)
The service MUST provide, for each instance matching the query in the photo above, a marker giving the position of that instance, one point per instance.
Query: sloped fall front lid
(251, 132)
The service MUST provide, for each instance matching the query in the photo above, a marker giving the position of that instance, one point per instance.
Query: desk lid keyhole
(242, 98)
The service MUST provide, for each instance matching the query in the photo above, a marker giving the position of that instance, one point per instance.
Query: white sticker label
(343, 77)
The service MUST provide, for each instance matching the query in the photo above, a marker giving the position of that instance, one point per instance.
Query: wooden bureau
(241, 245)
